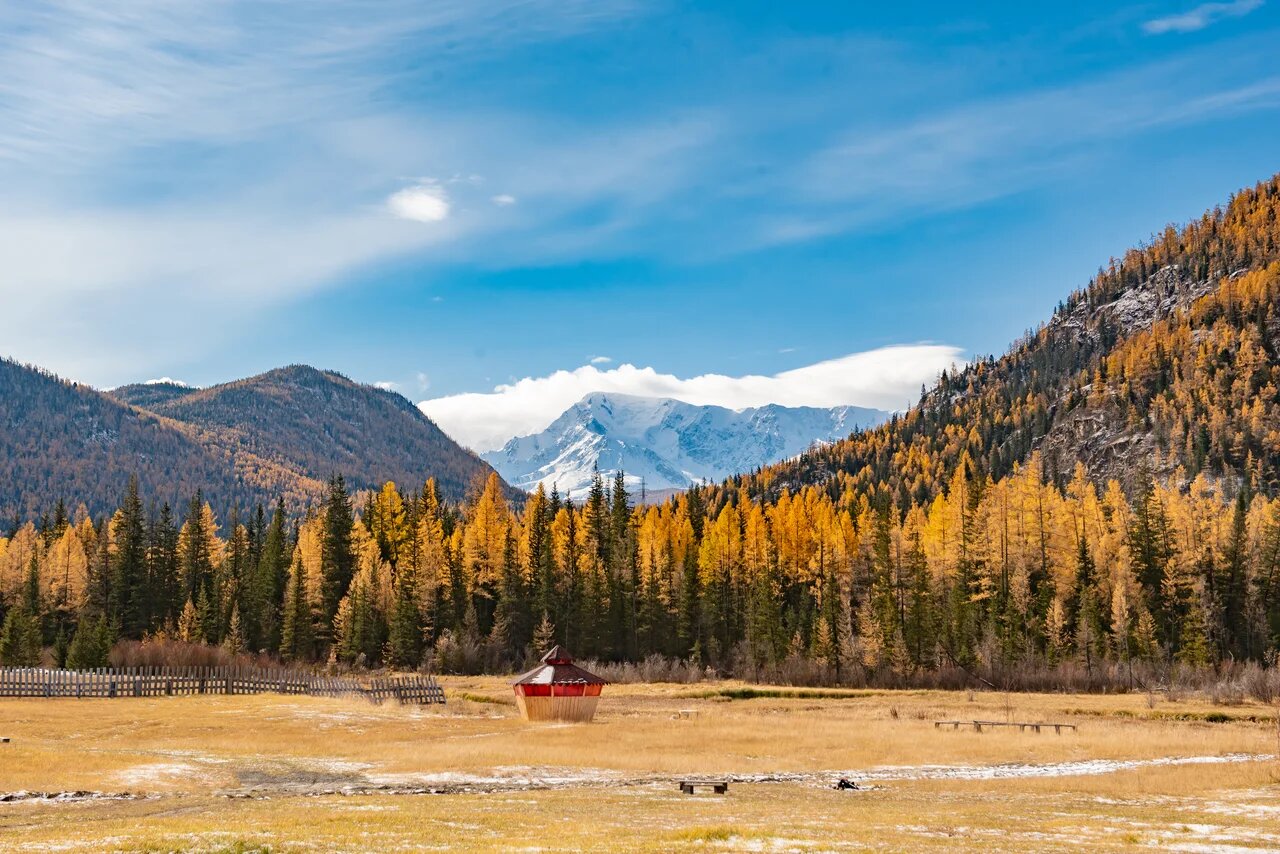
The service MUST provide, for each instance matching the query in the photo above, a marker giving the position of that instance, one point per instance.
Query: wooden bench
(719, 787)
(980, 726)
(4, 740)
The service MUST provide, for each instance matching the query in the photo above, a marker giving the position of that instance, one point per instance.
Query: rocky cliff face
(1111, 443)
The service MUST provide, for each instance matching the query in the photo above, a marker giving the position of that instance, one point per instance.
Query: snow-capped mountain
(666, 443)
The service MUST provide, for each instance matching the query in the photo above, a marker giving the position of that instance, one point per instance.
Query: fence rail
(180, 681)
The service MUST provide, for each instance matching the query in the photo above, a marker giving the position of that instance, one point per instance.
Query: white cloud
(1201, 16)
(386, 385)
(601, 360)
(504, 199)
(424, 381)
(166, 381)
(885, 378)
(424, 202)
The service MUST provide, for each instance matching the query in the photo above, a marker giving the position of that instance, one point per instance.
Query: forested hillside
(62, 439)
(1168, 358)
(1100, 501)
(278, 435)
(321, 423)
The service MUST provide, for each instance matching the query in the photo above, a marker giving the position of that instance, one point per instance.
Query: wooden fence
(178, 681)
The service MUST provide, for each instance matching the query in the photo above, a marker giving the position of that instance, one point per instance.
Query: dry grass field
(299, 774)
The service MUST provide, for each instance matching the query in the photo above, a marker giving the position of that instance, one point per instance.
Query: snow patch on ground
(512, 776)
(1081, 768)
(141, 776)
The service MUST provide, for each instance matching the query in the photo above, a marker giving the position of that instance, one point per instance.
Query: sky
(497, 206)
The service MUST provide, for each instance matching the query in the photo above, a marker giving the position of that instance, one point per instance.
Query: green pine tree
(91, 645)
(297, 641)
(20, 644)
(337, 559)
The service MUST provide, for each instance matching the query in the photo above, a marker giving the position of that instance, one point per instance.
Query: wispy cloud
(886, 378)
(989, 148)
(1201, 16)
(185, 157)
(171, 153)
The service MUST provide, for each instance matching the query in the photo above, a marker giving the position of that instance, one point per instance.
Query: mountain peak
(666, 443)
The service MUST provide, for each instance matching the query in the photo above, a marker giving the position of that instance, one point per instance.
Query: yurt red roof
(557, 668)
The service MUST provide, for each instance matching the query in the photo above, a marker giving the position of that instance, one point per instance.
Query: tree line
(1017, 570)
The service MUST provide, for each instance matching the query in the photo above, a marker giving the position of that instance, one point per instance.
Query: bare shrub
(462, 655)
(654, 668)
(164, 651)
(1228, 692)
(1262, 684)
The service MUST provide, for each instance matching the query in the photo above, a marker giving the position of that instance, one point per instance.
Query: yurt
(558, 690)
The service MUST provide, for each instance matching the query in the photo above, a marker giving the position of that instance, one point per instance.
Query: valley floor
(287, 773)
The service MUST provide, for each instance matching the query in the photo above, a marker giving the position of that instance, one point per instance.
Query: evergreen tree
(1237, 640)
(544, 636)
(266, 590)
(297, 632)
(20, 643)
(91, 645)
(129, 568)
(337, 558)
(1089, 632)
(404, 636)
(195, 557)
(234, 642)
(1150, 544)
(163, 570)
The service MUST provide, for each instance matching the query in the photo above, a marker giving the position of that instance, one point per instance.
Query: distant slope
(282, 433)
(1169, 359)
(59, 439)
(666, 444)
(320, 422)
(148, 395)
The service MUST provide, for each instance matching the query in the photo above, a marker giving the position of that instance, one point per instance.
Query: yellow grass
(239, 773)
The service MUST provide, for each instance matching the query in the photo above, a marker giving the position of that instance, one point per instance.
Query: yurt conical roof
(557, 668)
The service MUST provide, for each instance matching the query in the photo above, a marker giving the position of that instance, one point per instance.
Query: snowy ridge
(666, 443)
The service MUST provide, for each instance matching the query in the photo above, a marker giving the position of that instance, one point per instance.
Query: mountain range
(1165, 365)
(281, 433)
(663, 444)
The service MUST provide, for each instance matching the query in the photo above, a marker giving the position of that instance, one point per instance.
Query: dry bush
(654, 668)
(458, 654)
(1261, 684)
(1226, 693)
(163, 651)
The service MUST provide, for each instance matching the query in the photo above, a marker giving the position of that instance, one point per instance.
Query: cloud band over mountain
(884, 378)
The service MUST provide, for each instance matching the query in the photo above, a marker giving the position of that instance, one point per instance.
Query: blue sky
(453, 196)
